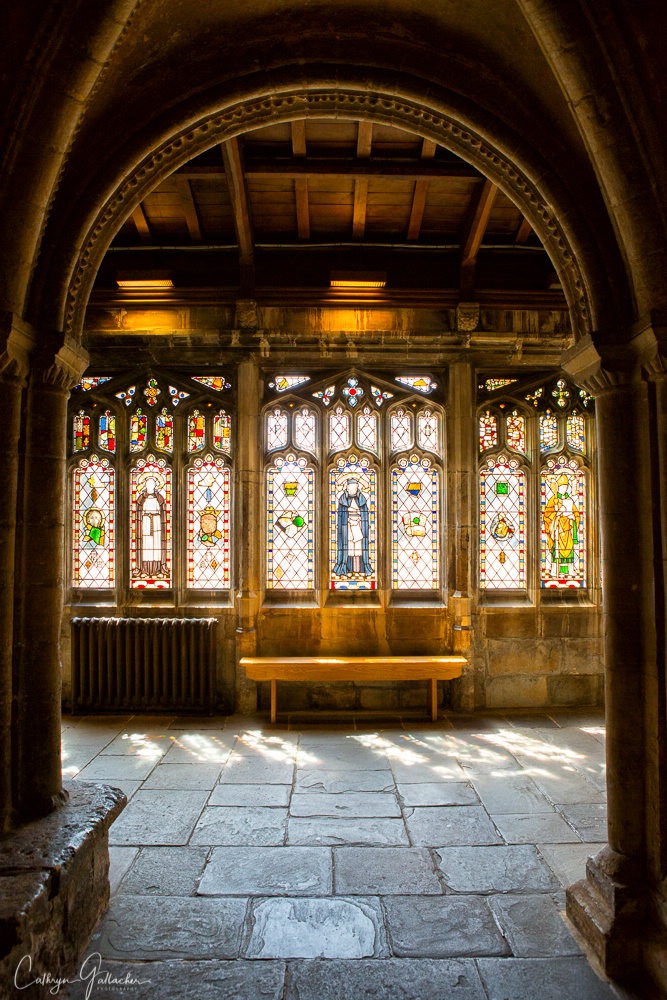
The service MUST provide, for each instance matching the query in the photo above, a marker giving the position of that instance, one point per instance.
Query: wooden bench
(355, 668)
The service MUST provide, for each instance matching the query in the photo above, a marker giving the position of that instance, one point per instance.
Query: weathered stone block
(571, 690)
(516, 692)
(555, 623)
(586, 623)
(378, 699)
(581, 656)
(416, 623)
(413, 696)
(512, 623)
(342, 695)
(515, 656)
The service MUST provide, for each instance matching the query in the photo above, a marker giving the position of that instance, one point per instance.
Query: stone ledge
(54, 884)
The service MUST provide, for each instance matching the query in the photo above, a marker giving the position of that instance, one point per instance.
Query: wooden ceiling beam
(477, 220)
(364, 144)
(364, 139)
(141, 223)
(301, 183)
(299, 138)
(314, 167)
(419, 195)
(238, 193)
(523, 232)
(189, 209)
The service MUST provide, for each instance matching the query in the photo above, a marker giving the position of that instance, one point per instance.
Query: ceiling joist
(477, 220)
(523, 232)
(189, 209)
(419, 195)
(141, 223)
(238, 193)
(301, 183)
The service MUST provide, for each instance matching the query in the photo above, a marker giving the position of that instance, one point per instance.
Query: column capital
(654, 324)
(17, 340)
(60, 361)
(600, 367)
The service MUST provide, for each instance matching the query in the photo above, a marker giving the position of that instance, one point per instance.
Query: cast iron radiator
(143, 663)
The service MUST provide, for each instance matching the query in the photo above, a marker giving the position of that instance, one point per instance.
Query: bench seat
(354, 668)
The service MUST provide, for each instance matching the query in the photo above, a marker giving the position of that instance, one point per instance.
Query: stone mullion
(248, 527)
(39, 775)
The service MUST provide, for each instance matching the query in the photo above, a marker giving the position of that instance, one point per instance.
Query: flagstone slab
(165, 871)
(390, 979)
(441, 826)
(240, 826)
(438, 793)
(485, 870)
(186, 980)
(268, 871)
(545, 978)
(322, 831)
(338, 782)
(442, 927)
(385, 871)
(316, 928)
(232, 794)
(510, 793)
(347, 805)
(535, 828)
(533, 926)
(589, 819)
(155, 817)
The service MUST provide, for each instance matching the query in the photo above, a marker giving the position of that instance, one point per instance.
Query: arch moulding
(428, 122)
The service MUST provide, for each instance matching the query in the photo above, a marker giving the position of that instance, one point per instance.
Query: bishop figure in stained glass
(352, 536)
(561, 525)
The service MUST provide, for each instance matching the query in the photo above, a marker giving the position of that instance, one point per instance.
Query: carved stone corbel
(467, 316)
(597, 368)
(246, 317)
(60, 362)
(17, 340)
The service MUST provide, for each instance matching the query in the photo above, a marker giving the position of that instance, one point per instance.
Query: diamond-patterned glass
(415, 514)
(400, 430)
(150, 524)
(208, 524)
(276, 429)
(428, 431)
(93, 524)
(290, 486)
(339, 429)
(305, 429)
(502, 525)
(367, 429)
(563, 525)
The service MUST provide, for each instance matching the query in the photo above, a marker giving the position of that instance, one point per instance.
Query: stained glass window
(151, 392)
(428, 436)
(367, 429)
(138, 425)
(276, 429)
(576, 431)
(400, 430)
(222, 431)
(196, 431)
(339, 429)
(533, 397)
(563, 507)
(208, 524)
(488, 431)
(290, 485)
(128, 395)
(107, 436)
(93, 524)
(380, 395)
(353, 512)
(305, 429)
(284, 382)
(177, 395)
(353, 391)
(326, 395)
(561, 393)
(216, 382)
(422, 383)
(92, 382)
(502, 525)
(493, 384)
(164, 430)
(516, 431)
(585, 397)
(548, 431)
(150, 524)
(415, 537)
(81, 429)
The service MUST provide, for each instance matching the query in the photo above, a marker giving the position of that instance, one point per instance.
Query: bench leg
(274, 700)
(433, 698)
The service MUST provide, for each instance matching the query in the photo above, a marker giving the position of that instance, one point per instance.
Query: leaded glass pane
(576, 431)
(561, 393)
(516, 431)
(222, 431)
(92, 382)
(326, 395)
(305, 429)
(284, 382)
(488, 431)
(428, 436)
(138, 426)
(548, 431)
(177, 395)
(353, 511)
(493, 384)
(422, 383)
(502, 525)
(379, 395)
(563, 506)
(150, 524)
(107, 435)
(400, 430)
(367, 429)
(276, 429)
(196, 431)
(339, 429)
(414, 511)
(208, 524)
(93, 524)
(353, 391)
(216, 382)
(290, 485)
(164, 430)
(151, 392)
(128, 395)
(81, 431)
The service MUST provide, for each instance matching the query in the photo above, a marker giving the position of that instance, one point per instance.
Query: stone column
(16, 341)
(461, 496)
(607, 906)
(39, 776)
(248, 528)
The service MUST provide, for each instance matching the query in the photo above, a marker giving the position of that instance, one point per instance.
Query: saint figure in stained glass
(81, 431)
(93, 524)
(561, 525)
(152, 527)
(107, 436)
(196, 431)
(164, 430)
(352, 539)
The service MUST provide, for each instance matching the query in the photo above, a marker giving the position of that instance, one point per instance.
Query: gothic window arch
(367, 453)
(150, 475)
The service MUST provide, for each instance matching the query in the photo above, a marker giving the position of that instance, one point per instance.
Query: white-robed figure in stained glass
(415, 503)
(150, 531)
(353, 515)
(208, 524)
(93, 524)
(502, 525)
(563, 504)
(290, 496)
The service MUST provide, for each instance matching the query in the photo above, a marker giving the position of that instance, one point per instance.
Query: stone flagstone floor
(335, 862)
